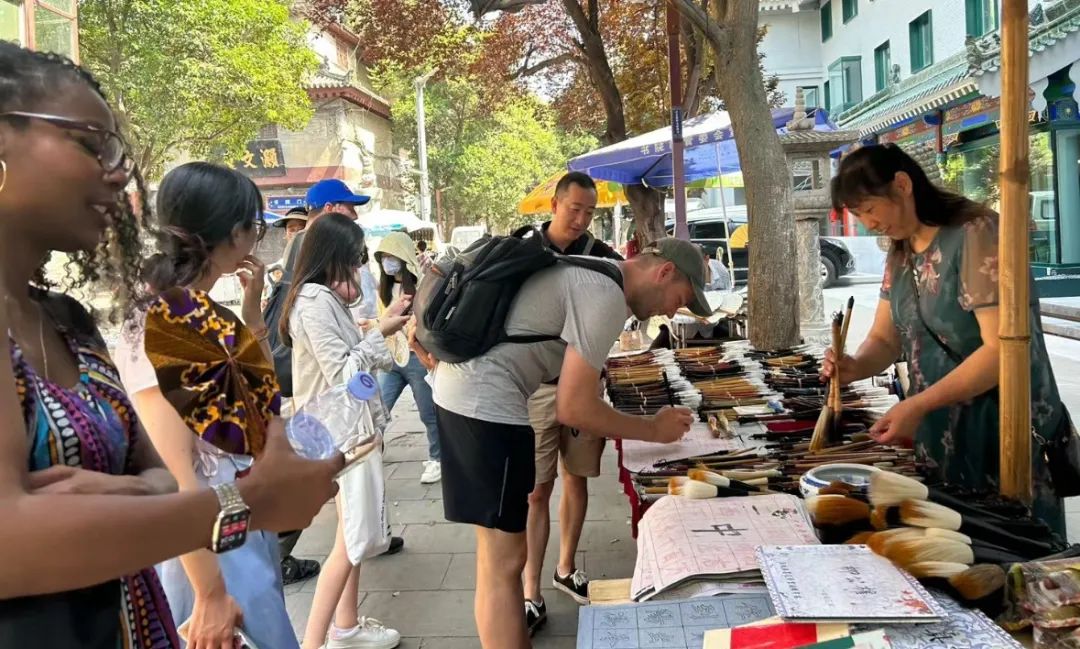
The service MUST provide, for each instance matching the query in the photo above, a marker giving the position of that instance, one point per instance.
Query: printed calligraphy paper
(848, 583)
(963, 629)
(680, 540)
(639, 456)
(666, 625)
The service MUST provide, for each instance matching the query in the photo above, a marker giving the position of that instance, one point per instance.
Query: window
(709, 230)
(982, 17)
(882, 66)
(810, 96)
(972, 170)
(845, 83)
(826, 21)
(54, 27)
(343, 55)
(11, 21)
(850, 9)
(828, 97)
(922, 42)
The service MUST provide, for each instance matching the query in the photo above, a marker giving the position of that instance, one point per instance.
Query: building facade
(349, 137)
(45, 25)
(925, 74)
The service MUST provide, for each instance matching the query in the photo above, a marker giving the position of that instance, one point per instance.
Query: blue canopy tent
(710, 151)
(271, 217)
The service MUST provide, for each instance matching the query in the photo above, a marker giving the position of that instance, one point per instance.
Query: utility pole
(421, 140)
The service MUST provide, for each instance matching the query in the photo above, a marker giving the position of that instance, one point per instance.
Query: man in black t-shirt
(567, 232)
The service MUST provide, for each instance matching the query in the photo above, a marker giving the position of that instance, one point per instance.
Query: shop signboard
(261, 159)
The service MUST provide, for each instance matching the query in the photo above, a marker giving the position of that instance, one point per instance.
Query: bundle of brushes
(644, 383)
(700, 484)
(827, 431)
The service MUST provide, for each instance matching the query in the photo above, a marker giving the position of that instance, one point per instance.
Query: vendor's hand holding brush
(828, 424)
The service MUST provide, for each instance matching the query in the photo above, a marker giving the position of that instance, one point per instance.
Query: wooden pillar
(1014, 310)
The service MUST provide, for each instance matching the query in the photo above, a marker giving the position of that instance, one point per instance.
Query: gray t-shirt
(584, 308)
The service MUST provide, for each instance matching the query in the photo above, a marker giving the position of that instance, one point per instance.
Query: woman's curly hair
(26, 79)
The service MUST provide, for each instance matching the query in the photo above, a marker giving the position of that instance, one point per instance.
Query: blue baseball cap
(332, 190)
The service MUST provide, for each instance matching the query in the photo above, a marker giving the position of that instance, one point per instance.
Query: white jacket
(328, 347)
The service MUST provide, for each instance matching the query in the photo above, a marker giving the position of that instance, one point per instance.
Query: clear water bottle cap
(362, 386)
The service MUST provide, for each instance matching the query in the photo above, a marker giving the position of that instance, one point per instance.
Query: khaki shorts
(580, 451)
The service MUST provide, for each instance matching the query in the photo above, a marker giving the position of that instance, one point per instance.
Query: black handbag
(1061, 452)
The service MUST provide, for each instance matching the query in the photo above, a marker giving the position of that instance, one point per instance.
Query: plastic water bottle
(339, 419)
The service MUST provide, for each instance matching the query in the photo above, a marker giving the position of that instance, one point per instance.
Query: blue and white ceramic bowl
(856, 475)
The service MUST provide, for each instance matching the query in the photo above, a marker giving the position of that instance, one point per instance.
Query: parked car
(709, 232)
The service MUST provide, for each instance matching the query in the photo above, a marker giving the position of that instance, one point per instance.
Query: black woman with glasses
(87, 506)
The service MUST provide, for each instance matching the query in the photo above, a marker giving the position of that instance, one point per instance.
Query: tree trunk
(774, 290)
(648, 207)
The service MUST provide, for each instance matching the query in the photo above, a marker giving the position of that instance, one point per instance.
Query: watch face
(230, 530)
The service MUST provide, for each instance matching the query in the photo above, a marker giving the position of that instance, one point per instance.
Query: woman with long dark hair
(86, 504)
(202, 381)
(939, 306)
(328, 348)
(399, 273)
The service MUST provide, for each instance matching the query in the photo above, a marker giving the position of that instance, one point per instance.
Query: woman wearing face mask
(207, 432)
(939, 305)
(327, 350)
(399, 273)
(83, 494)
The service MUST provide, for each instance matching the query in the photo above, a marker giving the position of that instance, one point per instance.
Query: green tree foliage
(197, 77)
(482, 162)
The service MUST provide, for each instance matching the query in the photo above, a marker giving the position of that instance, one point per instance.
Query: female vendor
(939, 306)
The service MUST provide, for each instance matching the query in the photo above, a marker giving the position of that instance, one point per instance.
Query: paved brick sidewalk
(426, 592)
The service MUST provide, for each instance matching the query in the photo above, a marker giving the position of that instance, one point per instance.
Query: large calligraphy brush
(820, 438)
(838, 402)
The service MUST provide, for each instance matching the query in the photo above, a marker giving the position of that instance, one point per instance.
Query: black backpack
(462, 302)
(282, 354)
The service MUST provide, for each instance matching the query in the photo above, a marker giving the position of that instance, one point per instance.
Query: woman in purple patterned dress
(82, 493)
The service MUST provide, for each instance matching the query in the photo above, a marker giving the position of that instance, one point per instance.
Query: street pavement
(426, 592)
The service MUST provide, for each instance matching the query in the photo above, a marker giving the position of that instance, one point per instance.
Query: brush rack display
(760, 407)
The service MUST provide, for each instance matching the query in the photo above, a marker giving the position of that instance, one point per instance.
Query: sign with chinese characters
(964, 628)
(261, 159)
(284, 203)
(678, 624)
(825, 583)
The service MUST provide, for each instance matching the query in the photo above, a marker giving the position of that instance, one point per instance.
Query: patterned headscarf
(212, 370)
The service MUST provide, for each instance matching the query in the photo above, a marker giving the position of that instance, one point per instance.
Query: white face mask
(391, 265)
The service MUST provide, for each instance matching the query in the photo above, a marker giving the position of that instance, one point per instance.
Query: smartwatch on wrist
(231, 526)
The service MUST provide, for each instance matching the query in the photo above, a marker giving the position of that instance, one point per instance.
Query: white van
(464, 236)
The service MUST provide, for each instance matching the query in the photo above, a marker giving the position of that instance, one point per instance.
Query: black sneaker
(576, 585)
(535, 615)
(295, 570)
(396, 545)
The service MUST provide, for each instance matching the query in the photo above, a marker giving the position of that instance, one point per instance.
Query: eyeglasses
(260, 228)
(111, 151)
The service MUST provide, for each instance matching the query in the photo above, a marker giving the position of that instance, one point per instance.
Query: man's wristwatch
(231, 526)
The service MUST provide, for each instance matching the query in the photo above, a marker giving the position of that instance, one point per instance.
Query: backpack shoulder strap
(605, 268)
(525, 231)
(589, 243)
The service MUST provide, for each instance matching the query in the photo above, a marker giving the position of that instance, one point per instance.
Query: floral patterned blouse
(947, 283)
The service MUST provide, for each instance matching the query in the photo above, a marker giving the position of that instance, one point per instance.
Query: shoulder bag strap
(955, 356)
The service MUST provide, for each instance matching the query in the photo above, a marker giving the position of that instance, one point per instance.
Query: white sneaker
(432, 472)
(370, 634)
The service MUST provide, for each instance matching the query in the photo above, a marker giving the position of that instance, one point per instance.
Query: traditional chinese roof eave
(816, 142)
(927, 90)
(351, 94)
(984, 54)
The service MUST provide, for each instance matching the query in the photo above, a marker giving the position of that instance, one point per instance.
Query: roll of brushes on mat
(701, 490)
(984, 552)
(923, 513)
(713, 478)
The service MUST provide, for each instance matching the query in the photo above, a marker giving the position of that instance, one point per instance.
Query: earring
(3, 170)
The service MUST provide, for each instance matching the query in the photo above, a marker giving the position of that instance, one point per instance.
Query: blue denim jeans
(392, 384)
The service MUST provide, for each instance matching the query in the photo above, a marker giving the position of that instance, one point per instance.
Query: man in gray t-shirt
(482, 405)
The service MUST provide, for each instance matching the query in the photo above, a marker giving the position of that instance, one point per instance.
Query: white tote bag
(365, 518)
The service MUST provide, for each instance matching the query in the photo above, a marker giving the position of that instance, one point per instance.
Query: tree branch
(701, 19)
(527, 70)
